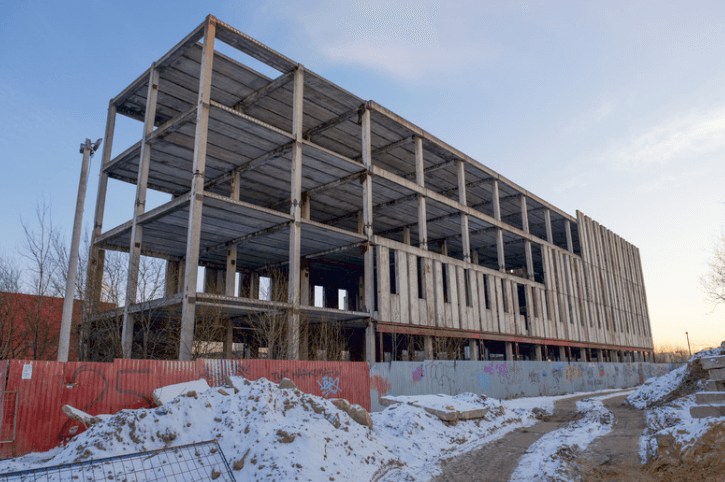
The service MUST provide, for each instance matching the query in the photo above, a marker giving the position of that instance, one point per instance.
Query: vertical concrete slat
(188, 307)
(134, 253)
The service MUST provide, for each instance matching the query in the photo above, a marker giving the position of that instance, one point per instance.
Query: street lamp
(87, 149)
(688, 343)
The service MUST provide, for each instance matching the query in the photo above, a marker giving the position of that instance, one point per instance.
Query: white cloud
(695, 133)
(410, 41)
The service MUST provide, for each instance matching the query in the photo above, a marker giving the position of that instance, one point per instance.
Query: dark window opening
(393, 278)
(467, 280)
(445, 282)
(505, 298)
(420, 269)
(484, 288)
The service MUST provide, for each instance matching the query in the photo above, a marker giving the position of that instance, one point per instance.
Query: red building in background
(30, 327)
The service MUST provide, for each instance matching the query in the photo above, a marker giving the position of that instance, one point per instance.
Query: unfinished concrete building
(411, 241)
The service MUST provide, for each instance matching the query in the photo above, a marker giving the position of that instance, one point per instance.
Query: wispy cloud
(695, 133)
(410, 41)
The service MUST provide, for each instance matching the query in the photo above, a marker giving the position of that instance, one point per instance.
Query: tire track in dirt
(497, 460)
(615, 456)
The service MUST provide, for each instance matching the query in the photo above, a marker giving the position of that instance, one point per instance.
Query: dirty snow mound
(271, 433)
(674, 445)
(549, 457)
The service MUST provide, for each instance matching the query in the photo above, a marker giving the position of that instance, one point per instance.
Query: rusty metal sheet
(40, 387)
(348, 380)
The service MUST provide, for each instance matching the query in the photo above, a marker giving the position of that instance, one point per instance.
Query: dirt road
(496, 461)
(613, 457)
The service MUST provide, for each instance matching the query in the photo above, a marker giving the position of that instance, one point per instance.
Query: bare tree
(151, 284)
(12, 333)
(42, 265)
(713, 282)
(327, 342)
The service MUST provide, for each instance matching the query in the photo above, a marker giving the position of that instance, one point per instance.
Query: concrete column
(473, 349)
(465, 235)
(428, 347)
(188, 304)
(562, 353)
(444, 248)
(295, 236)
(569, 243)
(537, 353)
(509, 351)
(96, 256)
(368, 228)
(499, 232)
(420, 180)
(171, 285)
(583, 355)
(231, 274)
(600, 356)
(549, 232)
(134, 253)
(406, 235)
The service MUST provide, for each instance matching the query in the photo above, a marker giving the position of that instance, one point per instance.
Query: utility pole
(688, 343)
(87, 149)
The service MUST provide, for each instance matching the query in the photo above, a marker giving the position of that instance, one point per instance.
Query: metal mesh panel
(199, 462)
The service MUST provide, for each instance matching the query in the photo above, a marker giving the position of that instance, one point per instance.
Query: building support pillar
(369, 260)
(509, 355)
(295, 236)
(537, 353)
(96, 258)
(134, 252)
(473, 349)
(231, 275)
(499, 231)
(562, 354)
(569, 243)
(547, 220)
(583, 355)
(188, 303)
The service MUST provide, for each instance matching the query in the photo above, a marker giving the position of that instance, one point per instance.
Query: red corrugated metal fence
(44, 387)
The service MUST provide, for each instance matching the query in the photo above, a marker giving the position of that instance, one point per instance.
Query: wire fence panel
(198, 462)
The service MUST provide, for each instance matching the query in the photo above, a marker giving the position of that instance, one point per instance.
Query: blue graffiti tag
(329, 386)
(483, 381)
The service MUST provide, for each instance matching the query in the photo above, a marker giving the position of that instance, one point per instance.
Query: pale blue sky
(613, 108)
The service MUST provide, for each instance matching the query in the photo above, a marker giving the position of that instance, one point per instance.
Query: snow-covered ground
(668, 411)
(546, 459)
(269, 433)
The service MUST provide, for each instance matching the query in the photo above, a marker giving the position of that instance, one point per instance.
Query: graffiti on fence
(329, 386)
(418, 373)
(572, 372)
(380, 385)
(483, 381)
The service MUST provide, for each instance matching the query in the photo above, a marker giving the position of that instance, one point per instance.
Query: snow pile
(547, 459)
(673, 442)
(656, 388)
(420, 440)
(269, 433)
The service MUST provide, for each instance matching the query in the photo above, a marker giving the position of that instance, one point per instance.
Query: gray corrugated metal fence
(505, 379)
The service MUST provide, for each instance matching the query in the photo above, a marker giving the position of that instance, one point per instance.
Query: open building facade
(292, 183)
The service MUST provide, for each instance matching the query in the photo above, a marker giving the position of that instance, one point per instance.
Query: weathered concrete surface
(710, 398)
(713, 362)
